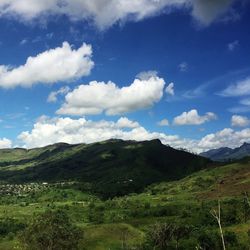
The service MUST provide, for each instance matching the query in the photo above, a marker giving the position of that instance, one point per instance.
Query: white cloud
(52, 130)
(195, 93)
(105, 13)
(97, 97)
(24, 41)
(170, 89)
(5, 143)
(193, 118)
(55, 65)
(239, 121)
(124, 122)
(233, 45)
(54, 94)
(163, 122)
(183, 67)
(245, 102)
(244, 106)
(224, 138)
(240, 88)
(239, 109)
(145, 75)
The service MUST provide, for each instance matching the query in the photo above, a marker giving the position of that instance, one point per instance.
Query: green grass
(111, 236)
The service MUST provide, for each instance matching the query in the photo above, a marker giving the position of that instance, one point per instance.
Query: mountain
(225, 154)
(109, 168)
(219, 154)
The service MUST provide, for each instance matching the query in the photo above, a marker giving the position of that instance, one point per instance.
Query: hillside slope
(113, 167)
(228, 181)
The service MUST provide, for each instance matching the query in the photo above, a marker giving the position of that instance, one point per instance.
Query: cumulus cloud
(193, 118)
(124, 122)
(170, 89)
(224, 138)
(145, 75)
(5, 143)
(54, 65)
(163, 122)
(54, 94)
(97, 97)
(52, 130)
(105, 13)
(240, 88)
(239, 121)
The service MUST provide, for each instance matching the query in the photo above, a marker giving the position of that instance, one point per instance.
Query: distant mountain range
(109, 168)
(226, 154)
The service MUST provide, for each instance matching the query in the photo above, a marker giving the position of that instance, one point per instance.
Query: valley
(121, 211)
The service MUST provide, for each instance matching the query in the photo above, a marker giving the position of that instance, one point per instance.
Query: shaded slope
(114, 167)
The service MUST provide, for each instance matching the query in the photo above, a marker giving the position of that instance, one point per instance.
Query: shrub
(52, 230)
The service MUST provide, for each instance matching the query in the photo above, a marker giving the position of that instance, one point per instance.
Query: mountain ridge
(228, 154)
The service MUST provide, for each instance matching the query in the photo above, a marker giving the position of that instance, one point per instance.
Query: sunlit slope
(219, 182)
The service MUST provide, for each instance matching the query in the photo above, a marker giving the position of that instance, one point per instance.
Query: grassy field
(123, 222)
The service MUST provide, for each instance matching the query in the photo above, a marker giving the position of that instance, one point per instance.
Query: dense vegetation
(170, 212)
(110, 168)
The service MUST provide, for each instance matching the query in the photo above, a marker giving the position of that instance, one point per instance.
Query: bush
(209, 240)
(52, 230)
(230, 238)
(96, 215)
(9, 225)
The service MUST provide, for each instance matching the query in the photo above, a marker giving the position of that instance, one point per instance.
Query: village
(27, 188)
(22, 189)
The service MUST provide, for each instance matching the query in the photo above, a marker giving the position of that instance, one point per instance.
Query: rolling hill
(110, 168)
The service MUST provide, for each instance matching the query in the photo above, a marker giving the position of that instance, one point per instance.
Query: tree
(217, 215)
(161, 235)
(52, 230)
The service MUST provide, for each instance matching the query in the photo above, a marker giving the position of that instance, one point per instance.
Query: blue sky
(79, 72)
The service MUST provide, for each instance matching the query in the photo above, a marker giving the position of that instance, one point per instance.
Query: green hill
(111, 168)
